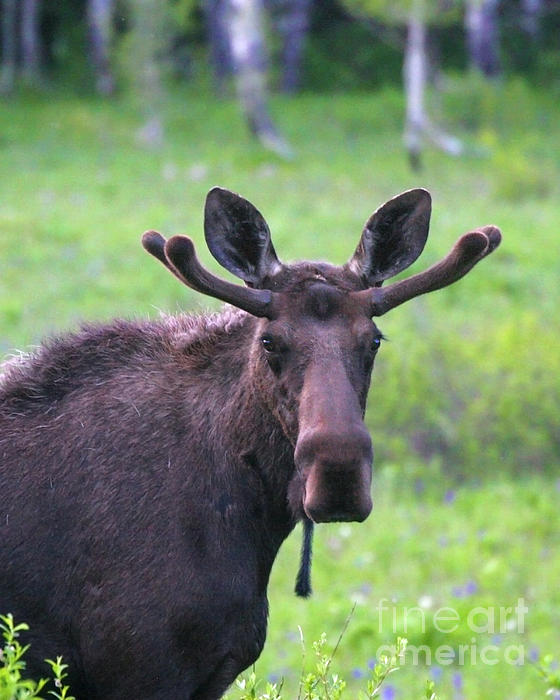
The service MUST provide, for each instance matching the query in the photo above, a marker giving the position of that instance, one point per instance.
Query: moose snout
(338, 474)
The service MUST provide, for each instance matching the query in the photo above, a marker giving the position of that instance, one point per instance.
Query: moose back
(150, 471)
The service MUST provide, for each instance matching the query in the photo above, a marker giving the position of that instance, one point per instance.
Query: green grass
(466, 366)
(466, 391)
(428, 548)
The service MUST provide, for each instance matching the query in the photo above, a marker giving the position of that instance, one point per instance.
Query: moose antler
(464, 255)
(179, 256)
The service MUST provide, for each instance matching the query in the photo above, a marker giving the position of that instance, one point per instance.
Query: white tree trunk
(147, 47)
(291, 20)
(249, 59)
(415, 76)
(481, 24)
(415, 73)
(100, 25)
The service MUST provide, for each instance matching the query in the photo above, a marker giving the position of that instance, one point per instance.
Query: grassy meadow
(465, 399)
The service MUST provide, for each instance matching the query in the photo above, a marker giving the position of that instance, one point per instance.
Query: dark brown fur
(149, 471)
(146, 493)
(124, 529)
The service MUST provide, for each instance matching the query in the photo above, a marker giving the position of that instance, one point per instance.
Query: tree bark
(250, 64)
(100, 25)
(147, 46)
(292, 20)
(215, 12)
(9, 46)
(481, 24)
(415, 74)
(30, 41)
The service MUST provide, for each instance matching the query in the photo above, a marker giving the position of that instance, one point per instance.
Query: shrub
(13, 684)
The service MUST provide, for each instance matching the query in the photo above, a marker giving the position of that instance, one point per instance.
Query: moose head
(314, 340)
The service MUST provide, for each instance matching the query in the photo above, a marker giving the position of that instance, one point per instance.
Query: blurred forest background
(119, 115)
(285, 45)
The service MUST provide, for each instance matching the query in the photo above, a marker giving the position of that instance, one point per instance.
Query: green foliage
(391, 12)
(343, 56)
(430, 550)
(469, 378)
(13, 686)
(548, 670)
(385, 665)
(466, 390)
(430, 693)
(183, 13)
(322, 683)
(58, 668)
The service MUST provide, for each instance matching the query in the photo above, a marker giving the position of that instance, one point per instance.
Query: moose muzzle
(338, 474)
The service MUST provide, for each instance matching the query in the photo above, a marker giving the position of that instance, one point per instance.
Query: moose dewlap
(150, 471)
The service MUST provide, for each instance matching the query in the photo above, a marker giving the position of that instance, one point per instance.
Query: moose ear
(393, 237)
(238, 237)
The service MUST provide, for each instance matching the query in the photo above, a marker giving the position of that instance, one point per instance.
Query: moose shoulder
(151, 470)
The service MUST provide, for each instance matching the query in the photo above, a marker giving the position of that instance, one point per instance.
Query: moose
(150, 470)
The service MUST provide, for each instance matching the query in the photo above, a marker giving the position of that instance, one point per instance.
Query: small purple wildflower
(274, 678)
(371, 664)
(437, 673)
(357, 673)
(366, 588)
(450, 496)
(468, 589)
(457, 680)
(534, 654)
(388, 692)
(496, 639)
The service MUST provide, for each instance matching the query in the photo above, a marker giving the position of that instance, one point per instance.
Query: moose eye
(268, 344)
(376, 342)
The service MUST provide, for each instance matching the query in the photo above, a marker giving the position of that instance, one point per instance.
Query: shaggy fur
(149, 471)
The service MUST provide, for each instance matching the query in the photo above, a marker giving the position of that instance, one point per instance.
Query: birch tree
(413, 16)
(244, 20)
(481, 26)
(291, 20)
(216, 14)
(100, 24)
(147, 44)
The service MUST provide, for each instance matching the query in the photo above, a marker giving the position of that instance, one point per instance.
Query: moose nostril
(337, 471)
(334, 450)
(322, 513)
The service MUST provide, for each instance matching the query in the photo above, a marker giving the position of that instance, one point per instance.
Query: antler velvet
(464, 255)
(179, 256)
